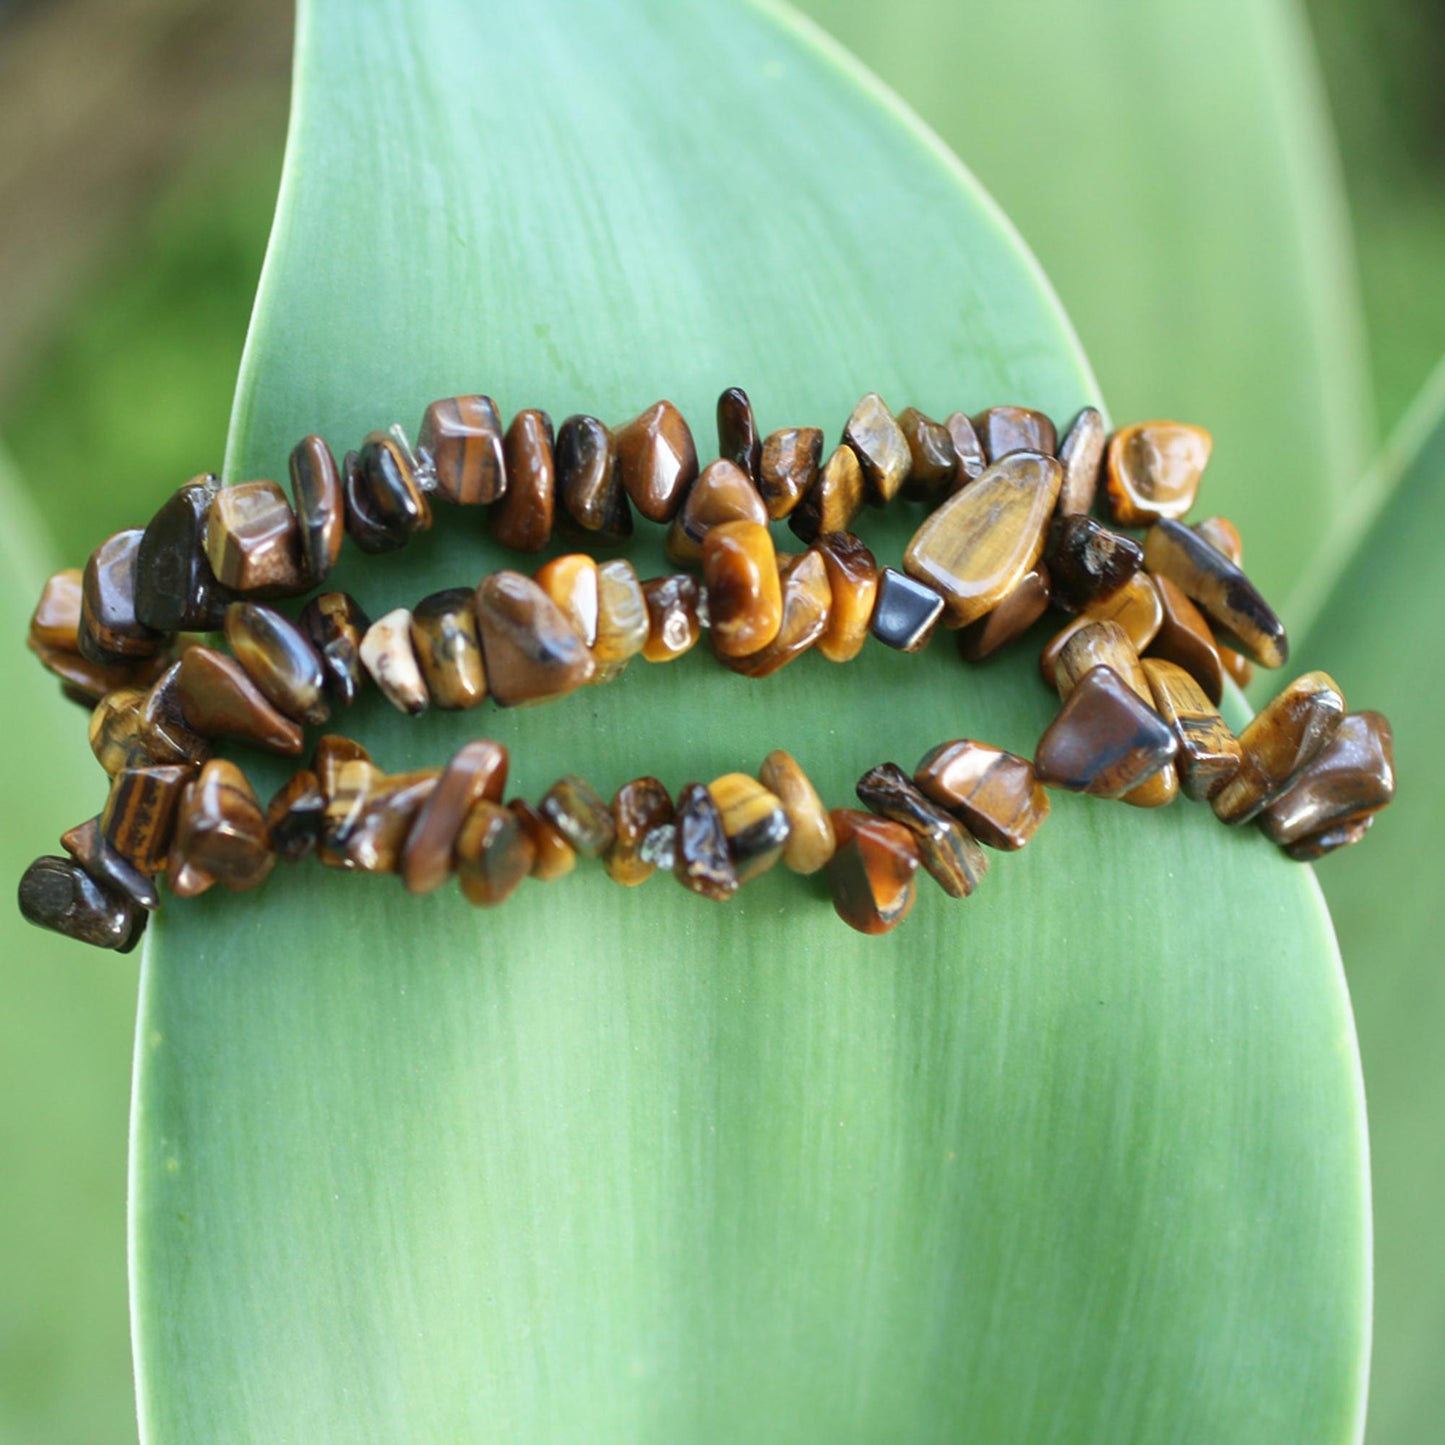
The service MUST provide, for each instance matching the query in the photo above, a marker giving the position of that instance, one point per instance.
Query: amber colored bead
(754, 822)
(1351, 776)
(737, 431)
(1153, 469)
(478, 770)
(834, 500)
(1007, 429)
(723, 493)
(948, 851)
(621, 617)
(882, 449)
(995, 794)
(1223, 536)
(448, 648)
(335, 624)
(553, 856)
(140, 812)
(1088, 562)
(744, 595)
(1082, 455)
(116, 730)
(221, 829)
(320, 506)
(639, 809)
(58, 894)
(109, 629)
(871, 872)
(253, 541)
(589, 483)
(580, 814)
(1208, 750)
(673, 623)
(932, 461)
(294, 816)
(1135, 610)
(388, 654)
(657, 460)
(789, 466)
(56, 619)
(1239, 667)
(379, 831)
(217, 699)
(531, 652)
(1105, 740)
(810, 840)
(331, 753)
(463, 437)
(523, 518)
(1282, 737)
(571, 582)
(806, 603)
(88, 845)
(852, 576)
(1328, 840)
(175, 589)
(1010, 619)
(1184, 638)
(702, 861)
(967, 447)
(348, 783)
(905, 612)
(493, 854)
(279, 660)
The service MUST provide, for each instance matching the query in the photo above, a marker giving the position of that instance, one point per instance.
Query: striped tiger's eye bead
(1328, 840)
(745, 600)
(673, 623)
(789, 466)
(932, 464)
(905, 612)
(253, 541)
(1007, 429)
(754, 823)
(871, 871)
(530, 650)
(834, 500)
(448, 648)
(294, 816)
(810, 840)
(175, 588)
(388, 655)
(1010, 619)
(967, 448)
(806, 603)
(589, 482)
(56, 619)
(522, 519)
(115, 731)
(477, 771)
(167, 736)
(702, 861)
(1082, 454)
(881, 448)
(140, 813)
(279, 660)
(379, 831)
(657, 460)
(994, 793)
(571, 582)
(493, 854)
(320, 507)
(1153, 470)
(463, 437)
(1353, 775)
(58, 894)
(723, 493)
(579, 814)
(217, 699)
(1088, 562)
(947, 850)
(553, 856)
(88, 845)
(1184, 638)
(639, 809)
(852, 575)
(1208, 751)
(335, 624)
(109, 628)
(384, 500)
(737, 431)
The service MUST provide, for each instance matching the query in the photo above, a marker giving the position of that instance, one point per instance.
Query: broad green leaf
(1082, 1158)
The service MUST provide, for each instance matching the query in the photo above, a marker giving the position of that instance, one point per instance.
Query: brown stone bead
(1282, 737)
(810, 831)
(523, 518)
(388, 655)
(580, 814)
(448, 648)
(1328, 840)
(86, 682)
(279, 660)
(553, 856)
(1105, 740)
(1225, 595)
(140, 813)
(621, 618)
(744, 595)
(702, 861)
(1010, 619)
(639, 809)
(1007, 429)
(331, 753)
(1088, 562)
(493, 854)
(571, 582)
(381, 825)
(754, 822)
(1153, 470)
(1223, 536)
(385, 503)
(253, 541)
(806, 603)
(1352, 775)
(723, 493)
(183, 879)
(789, 466)
(1135, 609)
(463, 437)
(976, 548)
(478, 770)
(88, 845)
(1082, 453)
(1208, 750)
(58, 894)
(167, 736)
(294, 816)
(1184, 638)
(55, 622)
(348, 783)
(905, 612)
(320, 507)
(673, 622)
(175, 589)
(1240, 668)
(834, 500)
(995, 794)
(932, 461)
(335, 623)
(737, 431)
(947, 850)
(967, 447)
(657, 460)
(531, 652)
(589, 482)
(109, 629)
(871, 872)
(882, 450)
(116, 730)
(217, 699)
(852, 577)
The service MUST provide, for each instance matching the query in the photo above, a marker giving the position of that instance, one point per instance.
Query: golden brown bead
(1088, 562)
(810, 831)
(579, 813)
(852, 575)
(463, 437)
(789, 466)
(168, 737)
(448, 648)
(335, 623)
(55, 622)
(871, 871)
(1153, 470)
(320, 507)
(702, 862)
(1208, 751)
(639, 808)
(523, 518)
(1328, 840)
(834, 500)
(221, 830)
(745, 601)
(948, 851)
(881, 448)
(279, 660)
(593, 498)
(253, 541)
(1184, 638)
(88, 845)
(348, 783)
(967, 448)
(553, 856)
(1082, 455)
(754, 823)
(493, 854)
(530, 650)
(1351, 777)
(723, 493)
(657, 460)
(478, 770)
(932, 461)
(115, 729)
(384, 500)
(994, 793)
(378, 829)
(1010, 619)
(1240, 668)
(217, 699)
(294, 816)
(1223, 536)
(140, 812)
(388, 655)
(571, 582)
(806, 600)
(1007, 429)
(673, 623)
(621, 616)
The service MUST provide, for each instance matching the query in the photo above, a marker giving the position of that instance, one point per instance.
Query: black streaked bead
(335, 623)
(946, 848)
(702, 861)
(175, 589)
(737, 431)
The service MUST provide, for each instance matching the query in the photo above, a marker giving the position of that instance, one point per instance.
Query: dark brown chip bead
(1105, 741)
(994, 793)
(1082, 455)
(530, 651)
(905, 613)
(279, 660)
(1087, 561)
(553, 856)
(478, 770)
(140, 813)
(871, 872)
(56, 620)
(493, 854)
(522, 519)
(320, 506)
(737, 431)
(448, 648)
(1208, 751)
(580, 814)
(806, 602)
(657, 460)
(723, 493)
(379, 830)
(253, 541)
(674, 623)
(175, 589)
(1184, 639)
(167, 736)
(972, 463)
(86, 682)
(702, 861)
(294, 816)
(384, 500)
(110, 631)
(882, 450)
(1010, 619)
(463, 437)
(1005, 429)
(834, 500)
(88, 845)
(1351, 776)
(639, 809)
(789, 466)
(589, 483)
(218, 700)
(754, 820)
(335, 624)
(948, 851)
(58, 894)
(1338, 835)
(933, 463)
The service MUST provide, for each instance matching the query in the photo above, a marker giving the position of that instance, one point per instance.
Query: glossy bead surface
(580, 814)
(320, 507)
(1082, 455)
(493, 854)
(834, 500)
(621, 615)
(524, 516)
(1009, 620)
(1153, 470)
(657, 460)
(385, 504)
(1223, 536)
(702, 861)
(673, 623)
(788, 467)
(388, 655)
(737, 431)
(56, 619)
(1208, 750)
(967, 447)
(140, 812)
(871, 871)
(463, 437)
(1007, 429)
(905, 612)
(1087, 562)
(639, 809)
(745, 600)
(1236, 665)
(294, 816)
(87, 682)
(115, 731)
(1105, 741)
(279, 660)
(349, 779)
(379, 830)
(571, 582)
(1352, 776)
(1329, 840)
(448, 649)
(723, 493)
(994, 793)
(477, 770)
(175, 589)
(754, 823)
(217, 699)
(89, 846)
(882, 450)
(253, 541)
(335, 623)
(806, 602)
(553, 856)
(58, 894)
(167, 736)
(852, 576)
(588, 481)
(530, 651)
(109, 629)
(810, 831)
(221, 829)
(932, 461)
(1184, 638)
(947, 850)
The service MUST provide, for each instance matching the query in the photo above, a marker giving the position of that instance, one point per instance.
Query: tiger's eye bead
(348, 783)
(789, 466)
(88, 845)
(253, 541)
(806, 602)
(1153, 470)
(109, 629)
(754, 823)
(994, 793)
(967, 448)
(977, 547)
(1208, 751)
(810, 840)
(331, 753)
(905, 612)
(1351, 776)
(523, 518)
(1082, 453)
(530, 650)
(1007, 429)
(1240, 668)
(56, 619)
(834, 500)
(702, 861)
(116, 730)
(1223, 536)
(933, 464)
(279, 660)
(589, 482)
(140, 813)
(881, 448)
(463, 437)
(175, 589)
(1088, 562)
(948, 852)
(87, 682)
(852, 577)
(639, 809)
(185, 880)
(164, 731)
(553, 856)
(1135, 610)
(723, 493)
(335, 624)
(320, 507)
(1328, 840)
(745, 600)
(493, 854)
(477, 771)
(579, 814)
(388, 811)
(448, 648)
(217, 699)
(58, 894)
(571, 582)
(621, 618)
(1283, 736)
(388, 655)
(657, 460)
(384, 500)
(294, 816)
(737, 431)
(1184, 638)
(1225, 595)
(871, 872)
(1010, 619)
(1105, 740)
(673, 624)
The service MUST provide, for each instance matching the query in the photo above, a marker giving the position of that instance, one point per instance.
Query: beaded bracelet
(1139, 669)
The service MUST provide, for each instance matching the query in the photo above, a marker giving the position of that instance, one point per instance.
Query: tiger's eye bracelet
(1139, 668)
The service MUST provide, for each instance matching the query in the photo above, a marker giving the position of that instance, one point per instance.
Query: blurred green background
(1244, 212)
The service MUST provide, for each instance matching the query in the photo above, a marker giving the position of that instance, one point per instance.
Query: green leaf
(1081, 1158)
